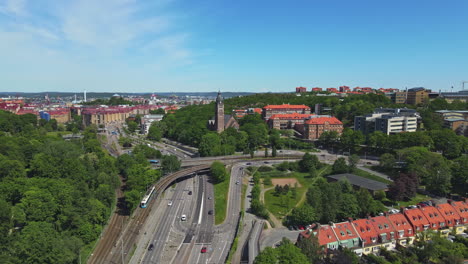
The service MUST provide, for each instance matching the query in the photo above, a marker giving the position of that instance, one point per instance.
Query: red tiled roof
(366, 230)
(462, 209)
(291, 116)
(382, 225)
(449, 213)
(416, 218)
(257, 110)
(433, 216)
(286, 106)
(344, 231)
(400, 223)
(322, 120)
(324, 234)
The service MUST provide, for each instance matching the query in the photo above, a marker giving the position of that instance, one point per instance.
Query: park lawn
(280, 205)
(221, 191)
(370, 176)
(417, 199)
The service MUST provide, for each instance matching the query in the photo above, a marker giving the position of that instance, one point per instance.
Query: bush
(265, 168)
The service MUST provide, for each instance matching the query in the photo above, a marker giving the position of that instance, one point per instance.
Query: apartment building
(270, 110)
(416, 96)
(388, 121)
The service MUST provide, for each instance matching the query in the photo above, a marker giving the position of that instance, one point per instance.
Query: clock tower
(219, 115)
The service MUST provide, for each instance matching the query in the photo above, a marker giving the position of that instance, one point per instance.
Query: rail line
(116, 244)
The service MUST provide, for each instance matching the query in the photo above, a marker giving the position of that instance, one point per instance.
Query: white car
(183, 218)
(169, 203)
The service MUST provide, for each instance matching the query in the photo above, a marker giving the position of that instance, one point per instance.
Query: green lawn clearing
(221, 191)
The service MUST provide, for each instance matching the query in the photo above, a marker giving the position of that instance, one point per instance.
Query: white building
(388, 121)
(147, 120)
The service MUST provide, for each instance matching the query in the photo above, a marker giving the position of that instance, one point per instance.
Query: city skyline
(183, 46)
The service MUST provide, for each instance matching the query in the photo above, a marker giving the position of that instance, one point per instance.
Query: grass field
(221, 191)
(281, 205)
(370, 176)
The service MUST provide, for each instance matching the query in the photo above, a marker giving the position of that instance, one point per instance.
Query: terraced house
(370, 235)
(404, 230)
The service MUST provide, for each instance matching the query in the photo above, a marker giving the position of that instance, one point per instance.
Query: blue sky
(250, 46)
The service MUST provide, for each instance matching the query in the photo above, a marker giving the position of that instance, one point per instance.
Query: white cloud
(14, 7)
(58, 42)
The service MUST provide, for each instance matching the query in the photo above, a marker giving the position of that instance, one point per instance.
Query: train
(149, 194)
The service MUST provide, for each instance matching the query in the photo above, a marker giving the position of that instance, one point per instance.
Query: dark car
(151, 247)
(266, 162)
(210, 212)
(190, 193)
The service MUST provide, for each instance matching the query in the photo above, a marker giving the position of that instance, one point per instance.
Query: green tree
(154, 132)
(209, 144)
(218, 171)
(170, 163)
(387, 161)
(353, 160)
(308, 162)
(311, 248)
(132, 126)
(339, 166)
(303, 215)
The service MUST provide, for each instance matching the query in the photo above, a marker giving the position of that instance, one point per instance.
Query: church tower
(219, 115)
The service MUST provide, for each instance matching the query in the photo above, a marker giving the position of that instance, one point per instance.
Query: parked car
(183, 218)
(190, 193)
(301, 227)
(210, 212)
(203, 250)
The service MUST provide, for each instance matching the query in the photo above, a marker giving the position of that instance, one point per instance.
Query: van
(183, 217)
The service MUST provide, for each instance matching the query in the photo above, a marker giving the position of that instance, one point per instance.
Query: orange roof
(449, 213)
(433, 216)
(321, 120)
(382, 225)
(400, 223)
(366, 230)
(462, 209)
(286, 106)
(416, 218)
(291, 116)
(344, 231)
(324, 234)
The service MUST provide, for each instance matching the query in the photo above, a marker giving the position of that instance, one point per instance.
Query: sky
(243, 45)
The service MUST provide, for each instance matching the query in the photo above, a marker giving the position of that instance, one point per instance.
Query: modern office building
(388, 121)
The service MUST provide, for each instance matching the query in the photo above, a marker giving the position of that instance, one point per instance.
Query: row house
(403, 228)
(452, 218)
(369, 235)
(287, 121)
(461, 208)
(270, 110)
(434, 217)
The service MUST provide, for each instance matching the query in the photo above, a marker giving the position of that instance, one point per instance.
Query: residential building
(344, 89)
(436, 220)
(270, 110)
(301, 89)
(324, 234)
(416, 96)
(456, 120)
(287, 121)
(363, 89)
(452, 96)
(388, 121)
(385, 231)
(360, 182)
(368, 235)
(461, 207)
(417, 219)
(346, 235)
(316, 89)
(314, 127)
(453, 220)
(398, 97)
(332, 90)
(404, 230)
(147, 120)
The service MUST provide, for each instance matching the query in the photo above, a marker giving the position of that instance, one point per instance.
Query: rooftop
(322, 120)
(360, 181)
(286, 106)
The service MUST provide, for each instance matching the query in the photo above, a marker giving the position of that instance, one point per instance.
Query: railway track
(117, 242)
